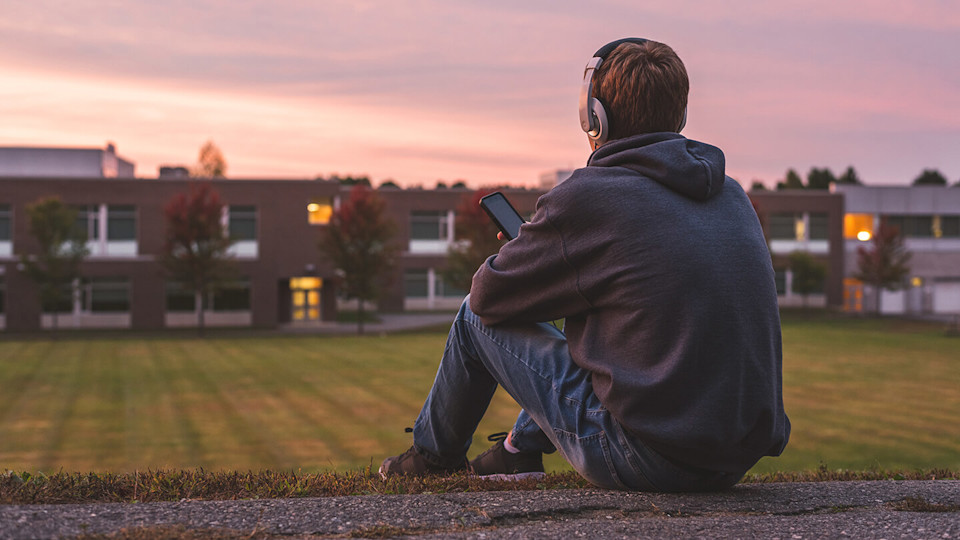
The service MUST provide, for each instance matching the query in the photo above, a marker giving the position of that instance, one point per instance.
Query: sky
(485, 91)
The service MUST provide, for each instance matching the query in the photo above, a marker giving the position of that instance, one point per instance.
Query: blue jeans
(560, 410)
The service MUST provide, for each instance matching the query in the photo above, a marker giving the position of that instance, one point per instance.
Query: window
(5, 228)
(234, 296)
(243, 222)
(783, 226)
(950, 226)
(87, 222)
(121, 222)
(107, 295)
(430, 225)
(179, 298)
(819, 227)
(320, 210)
(858, 226)
(6, 231)
(416, 283)
(780, 278)
(446, 290)
(912, 226)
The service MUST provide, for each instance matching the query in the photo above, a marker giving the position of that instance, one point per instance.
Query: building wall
(286, 246)
(773, 206)
(932, 237)
(424, 255)
(286, 243)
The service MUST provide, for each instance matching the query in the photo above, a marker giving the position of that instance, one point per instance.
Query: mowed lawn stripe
(268, 396)
(30, 399)
(69, 379)
(860, 393)
(240, 438)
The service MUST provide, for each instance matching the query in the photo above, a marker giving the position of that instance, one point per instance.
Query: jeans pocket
(590, 456)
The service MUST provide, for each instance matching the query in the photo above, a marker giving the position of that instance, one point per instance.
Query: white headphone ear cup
(602, 131)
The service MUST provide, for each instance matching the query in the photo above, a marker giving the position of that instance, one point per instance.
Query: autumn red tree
(196, 249)
(884, 264)
(476, 239)
(359, 242)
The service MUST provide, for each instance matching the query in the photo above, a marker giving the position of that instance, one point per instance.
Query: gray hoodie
(658, 264)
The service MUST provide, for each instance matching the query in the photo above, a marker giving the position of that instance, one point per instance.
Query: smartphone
(503, 214)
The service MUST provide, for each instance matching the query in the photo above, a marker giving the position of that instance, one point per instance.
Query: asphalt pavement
(881, 509)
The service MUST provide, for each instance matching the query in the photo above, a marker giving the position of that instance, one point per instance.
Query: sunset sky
(484, 91)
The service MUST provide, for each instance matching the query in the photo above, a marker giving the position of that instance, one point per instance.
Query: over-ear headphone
(593, 117)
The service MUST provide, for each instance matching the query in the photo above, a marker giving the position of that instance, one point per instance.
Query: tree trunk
(198, 300)
(360, 316)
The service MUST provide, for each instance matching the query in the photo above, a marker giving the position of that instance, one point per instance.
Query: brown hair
(643, 88)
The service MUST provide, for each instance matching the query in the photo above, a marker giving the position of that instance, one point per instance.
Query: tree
(476, 240)
(792, 181)
(196, 248)
(62, 250)
(884, 264)
(930, 177)
(809, 274)
(210, 162)
(849, 177)
(820, 178)
(359, 242)
(757, 185)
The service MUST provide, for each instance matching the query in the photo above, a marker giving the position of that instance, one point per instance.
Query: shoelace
(499, 436)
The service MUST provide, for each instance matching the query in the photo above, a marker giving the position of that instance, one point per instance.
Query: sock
(509, 447)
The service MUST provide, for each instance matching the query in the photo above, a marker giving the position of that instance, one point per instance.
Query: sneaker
(499, 464)
(413, 463)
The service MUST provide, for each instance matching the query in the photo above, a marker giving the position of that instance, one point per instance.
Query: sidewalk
(389, 322)
(883, 509)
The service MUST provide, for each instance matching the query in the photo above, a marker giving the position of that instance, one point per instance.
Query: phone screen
(507, 219)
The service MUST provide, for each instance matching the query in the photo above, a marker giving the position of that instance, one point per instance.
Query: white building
(25, 161)
(929, 219)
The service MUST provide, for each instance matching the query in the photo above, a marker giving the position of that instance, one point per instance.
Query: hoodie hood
(691, 168)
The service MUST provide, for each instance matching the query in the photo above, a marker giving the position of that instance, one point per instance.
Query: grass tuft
(198, 484)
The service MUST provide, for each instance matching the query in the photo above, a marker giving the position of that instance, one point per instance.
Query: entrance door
(305, 304)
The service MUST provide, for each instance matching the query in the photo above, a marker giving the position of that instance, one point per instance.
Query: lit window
(858, 226)
(320, 210)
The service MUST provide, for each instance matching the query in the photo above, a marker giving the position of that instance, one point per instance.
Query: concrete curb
(881, 509)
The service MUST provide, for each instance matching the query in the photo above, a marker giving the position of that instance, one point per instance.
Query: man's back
(660, 268)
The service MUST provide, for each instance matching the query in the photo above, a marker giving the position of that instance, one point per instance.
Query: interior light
(864, 236)
(313, 207)
(917, 282)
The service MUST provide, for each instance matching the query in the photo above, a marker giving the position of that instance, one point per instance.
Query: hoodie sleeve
(531, 279)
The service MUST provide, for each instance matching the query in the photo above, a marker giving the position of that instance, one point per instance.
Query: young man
(667, 376)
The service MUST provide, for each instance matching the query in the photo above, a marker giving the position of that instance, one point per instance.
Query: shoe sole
(516, 477)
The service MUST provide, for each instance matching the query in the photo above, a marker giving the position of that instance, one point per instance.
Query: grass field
(862, 394)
